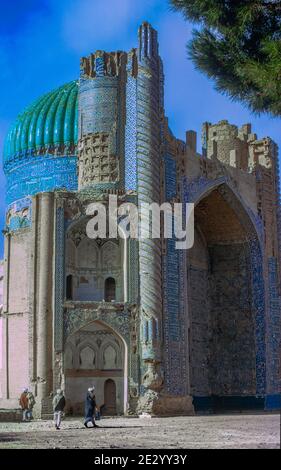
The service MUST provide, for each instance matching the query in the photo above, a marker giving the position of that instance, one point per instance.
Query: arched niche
(88, 254)
(87, 357)
(104, 357)
(109, 357)
(110, 256)
(92, 261)
(223, 350)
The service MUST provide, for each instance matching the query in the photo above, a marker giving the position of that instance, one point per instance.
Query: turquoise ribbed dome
(49, 123)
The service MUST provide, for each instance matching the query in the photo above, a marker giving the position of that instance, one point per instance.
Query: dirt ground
(216, 431)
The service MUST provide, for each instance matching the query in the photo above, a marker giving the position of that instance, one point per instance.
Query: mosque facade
(154, 328)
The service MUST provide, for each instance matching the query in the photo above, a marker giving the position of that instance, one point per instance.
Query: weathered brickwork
(222, 333)
(232, 359)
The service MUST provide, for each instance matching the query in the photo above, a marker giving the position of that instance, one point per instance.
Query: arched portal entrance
(95, 355)
(222, 324)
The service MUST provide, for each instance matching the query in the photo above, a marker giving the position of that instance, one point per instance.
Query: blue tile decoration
(99, 66)
(273, 328)
(131, 135)
(258, 300)
(273, 402)
(133, 265)
(170, 177)
(174, 303)
(60, 276)
(39, 174)
(19, 214)
(98, 99)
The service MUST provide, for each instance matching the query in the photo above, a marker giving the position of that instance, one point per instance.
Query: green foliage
(238, 45)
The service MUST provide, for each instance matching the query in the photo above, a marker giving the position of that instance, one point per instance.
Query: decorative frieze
(97, 163)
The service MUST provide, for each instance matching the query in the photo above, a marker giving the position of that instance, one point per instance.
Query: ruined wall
(227, 143)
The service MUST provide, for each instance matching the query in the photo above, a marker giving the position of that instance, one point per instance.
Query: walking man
(90, 408)
(23, 401)
(58, 407)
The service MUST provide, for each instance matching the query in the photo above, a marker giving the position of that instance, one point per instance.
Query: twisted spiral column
(148, 164)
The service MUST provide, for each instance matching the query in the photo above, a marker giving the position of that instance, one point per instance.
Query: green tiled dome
(50, 122)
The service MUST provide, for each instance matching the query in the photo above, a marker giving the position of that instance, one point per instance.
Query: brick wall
(18, 354)
(19, 279)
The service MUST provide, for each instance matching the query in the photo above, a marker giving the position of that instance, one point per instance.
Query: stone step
(10, 415)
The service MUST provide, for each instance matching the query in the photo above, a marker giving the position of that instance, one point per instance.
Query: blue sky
(41, 42)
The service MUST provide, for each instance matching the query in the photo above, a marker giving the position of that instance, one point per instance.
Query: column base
(10, 410)
(43, 408)
(159, 404)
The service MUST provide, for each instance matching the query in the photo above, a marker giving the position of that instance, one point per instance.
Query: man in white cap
(58, 407)
(90, 408)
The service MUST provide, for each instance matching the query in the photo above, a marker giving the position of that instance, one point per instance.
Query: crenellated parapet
(101, 63)
(227, 143)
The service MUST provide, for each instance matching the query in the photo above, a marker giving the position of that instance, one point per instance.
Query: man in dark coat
(90, 408)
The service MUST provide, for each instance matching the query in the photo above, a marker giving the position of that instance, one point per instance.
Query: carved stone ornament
(152, 379)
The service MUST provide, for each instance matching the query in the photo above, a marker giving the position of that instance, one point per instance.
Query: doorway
(109, 397)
